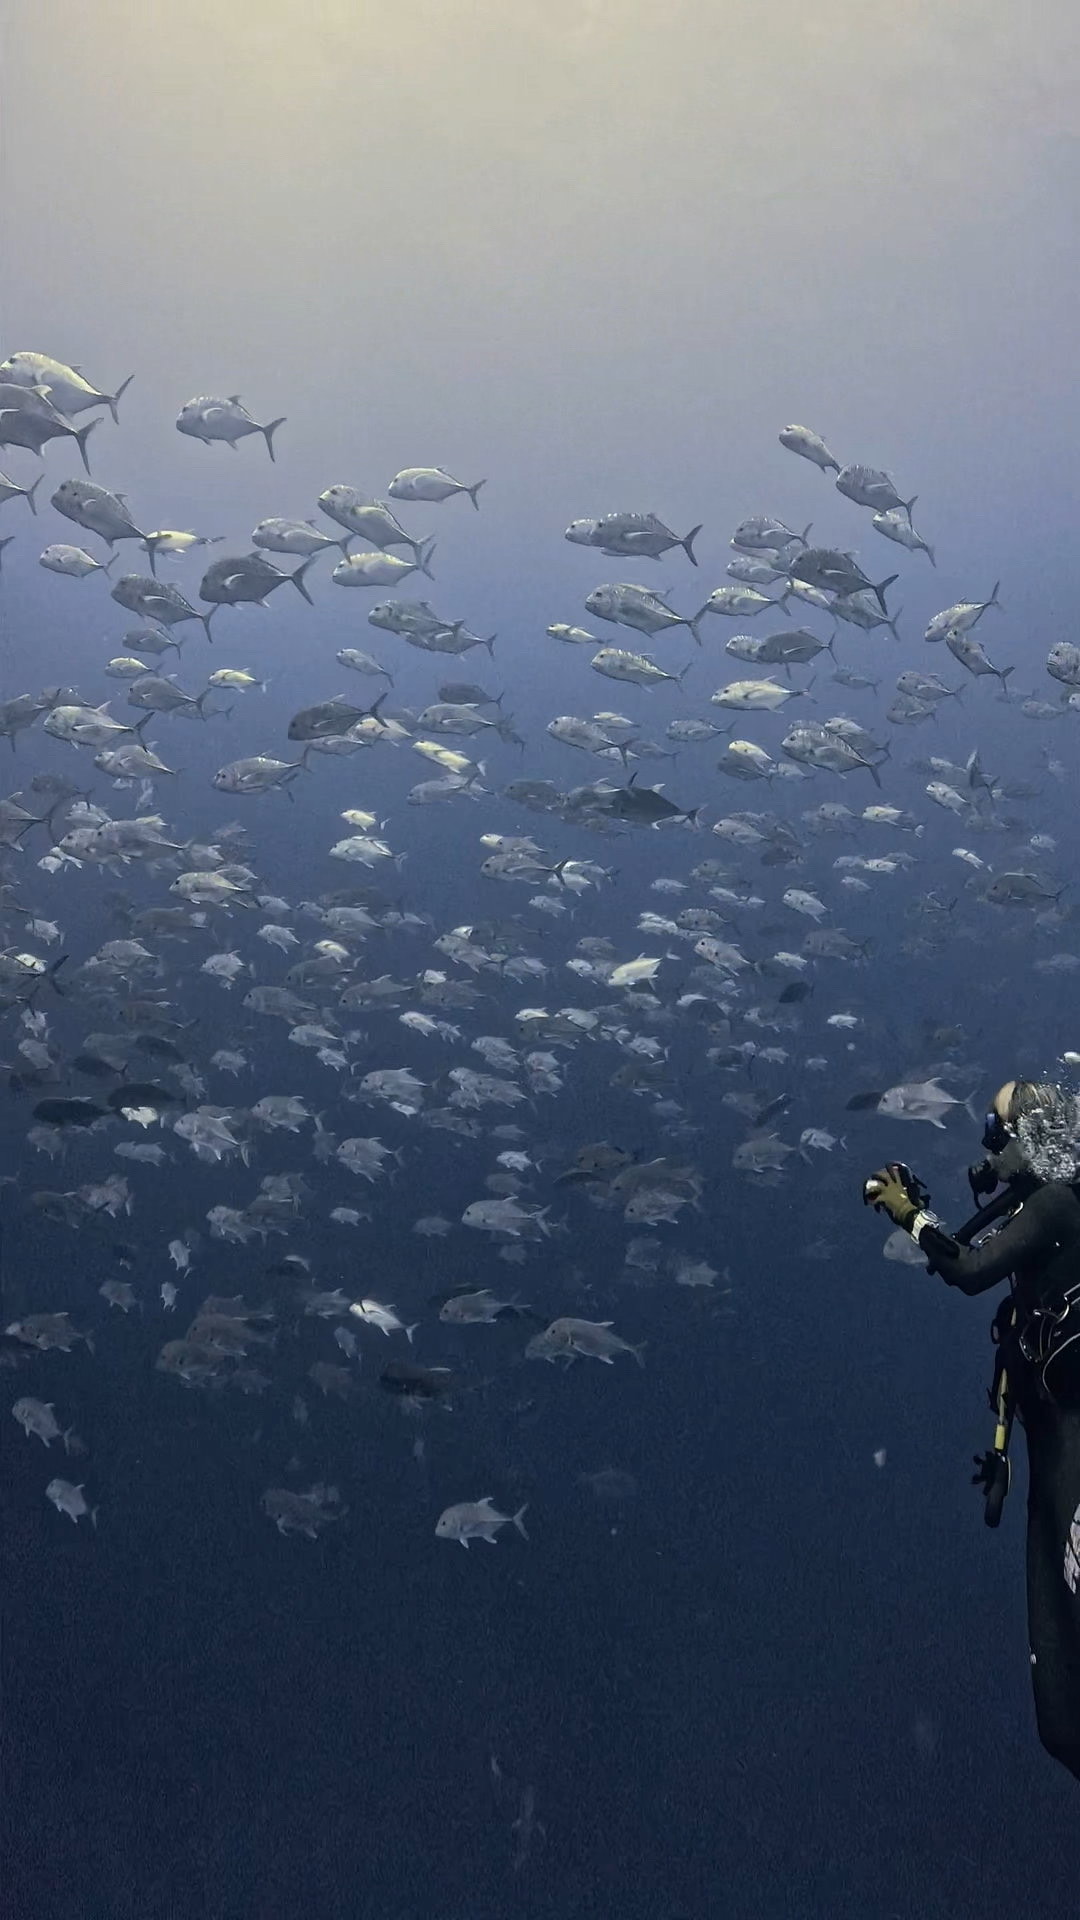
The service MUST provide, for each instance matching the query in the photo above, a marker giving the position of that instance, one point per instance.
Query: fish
(306, 1513)
(29, 419)
(330, 717)
(644, 806)
(69, 1111)
(836, 572)
(208, 418)
(172, 542)
(895, 524)
(70, 1500)
(294, 536)
(961, 616)
(810, 446)
(373, 521)
(67, 387)
(246, 579)
(964, 647)
(38, 1417)
(155, 600)
(628, 605)
(408, 1381)
(871, 487)
(631, 536)
(75, 562)
(432, 484)
(477, 1520)
(912, 1100)
(617, 664)
(95, 508)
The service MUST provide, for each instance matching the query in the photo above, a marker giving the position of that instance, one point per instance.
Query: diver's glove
(897, 1191)
(988, 1466)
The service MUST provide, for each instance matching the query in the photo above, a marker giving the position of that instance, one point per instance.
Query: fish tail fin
(82, 435)
(423, 554)
(993, 600)
(891, 624)
(269, 431)
(880, 591)
(929, 552)
(907, 506)
(110, 562)
(695, 620)
(151, 545)
(692, 814)
(473, 491)
(1003, 676)
(409, 1331)
(639, 1352)
(687, 545)
(873, 772)
(297, 579)
(804, 535)
(345, 543)
(30, 492)
(519, 1519)
(115, 398)
(489, 641)
(206, 619)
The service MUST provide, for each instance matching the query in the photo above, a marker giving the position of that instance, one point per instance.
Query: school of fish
(316, 1065)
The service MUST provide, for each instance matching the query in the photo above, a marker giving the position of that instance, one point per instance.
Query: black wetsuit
(1039, 1248)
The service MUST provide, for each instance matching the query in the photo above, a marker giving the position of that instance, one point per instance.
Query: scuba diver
(1032, 1140)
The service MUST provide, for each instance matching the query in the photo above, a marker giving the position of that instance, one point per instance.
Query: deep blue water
(777, 1679)
(601, 261)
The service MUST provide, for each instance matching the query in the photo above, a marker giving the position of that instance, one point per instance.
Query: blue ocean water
(786, 1672)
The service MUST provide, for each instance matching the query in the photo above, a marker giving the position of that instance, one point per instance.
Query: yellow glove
(894, 1190)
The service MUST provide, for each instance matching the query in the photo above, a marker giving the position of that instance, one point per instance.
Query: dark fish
(69, 1112)
(463, 693)
(795, 991)
(413, 1382)
(864, 1102)
(643, 806)
(141, 1093)
(161, 1048)
(836, 572)
(598, 1157)
(330, 718)
(157, 600)
(246, 579)
(94, 1067)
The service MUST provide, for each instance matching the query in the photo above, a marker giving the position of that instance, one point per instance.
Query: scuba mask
(1005, 1153)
